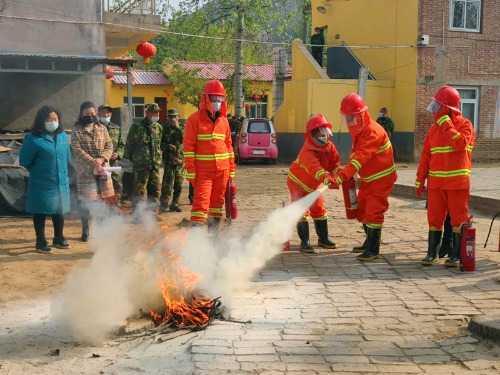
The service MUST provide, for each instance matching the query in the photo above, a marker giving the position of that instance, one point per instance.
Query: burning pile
(184, 306)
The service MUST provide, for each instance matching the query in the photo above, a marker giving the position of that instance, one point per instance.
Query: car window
(259, 127)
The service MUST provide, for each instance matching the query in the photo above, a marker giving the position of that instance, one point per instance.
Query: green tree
(262, 20)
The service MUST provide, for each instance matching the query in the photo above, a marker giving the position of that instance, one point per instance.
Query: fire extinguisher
(468, 248)
(489, 231)
(350, 198)
(231, 207)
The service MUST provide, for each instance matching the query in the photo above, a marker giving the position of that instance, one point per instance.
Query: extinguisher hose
(491, 226)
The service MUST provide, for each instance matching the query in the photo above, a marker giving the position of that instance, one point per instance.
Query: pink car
(257, 141)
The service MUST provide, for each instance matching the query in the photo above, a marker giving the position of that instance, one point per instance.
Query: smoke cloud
(124, 273)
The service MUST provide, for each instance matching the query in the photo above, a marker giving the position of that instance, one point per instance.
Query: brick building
(463, 51)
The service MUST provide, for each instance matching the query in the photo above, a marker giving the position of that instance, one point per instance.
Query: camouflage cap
(153, 107)
(105, 107)
(172, 112)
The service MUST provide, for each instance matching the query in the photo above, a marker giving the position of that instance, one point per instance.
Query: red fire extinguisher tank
(468, 248)
(231, 205)
(350, 198)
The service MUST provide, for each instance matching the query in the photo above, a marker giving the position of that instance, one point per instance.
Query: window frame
(465, 29)
(135, 104)
(261, 108)
(476, 103)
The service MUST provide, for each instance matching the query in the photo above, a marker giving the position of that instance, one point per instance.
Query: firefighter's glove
(172, 148)
(331, 182)
(420, 191)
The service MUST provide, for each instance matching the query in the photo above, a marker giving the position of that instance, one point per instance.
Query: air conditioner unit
(423, 40)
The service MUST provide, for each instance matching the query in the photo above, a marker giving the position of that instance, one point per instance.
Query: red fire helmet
(214, 87)
(316, 122)
(353, 104)
(449, 97)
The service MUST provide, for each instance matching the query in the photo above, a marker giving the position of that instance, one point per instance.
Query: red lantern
(146, 50)
(109, 72)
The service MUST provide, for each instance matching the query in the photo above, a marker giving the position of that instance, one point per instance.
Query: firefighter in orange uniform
(446, 165)
(314, 166)
(372, 159)
(208, 155)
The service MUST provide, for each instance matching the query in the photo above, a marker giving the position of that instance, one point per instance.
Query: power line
(200, 36)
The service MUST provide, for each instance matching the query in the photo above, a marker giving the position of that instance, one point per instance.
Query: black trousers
(39, 224)
(317, 53)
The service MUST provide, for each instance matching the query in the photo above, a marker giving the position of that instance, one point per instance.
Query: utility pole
(238, 65)
(363, 78)
(306, 11)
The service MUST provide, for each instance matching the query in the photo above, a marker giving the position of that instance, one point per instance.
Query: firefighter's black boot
(214, 224)
(372, 249)
(434, 240)
(454, 255)
(360, 249)
(303, 231)
(324, 242)
(447, 243)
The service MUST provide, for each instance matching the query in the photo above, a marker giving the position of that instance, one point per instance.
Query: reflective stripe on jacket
(446, 158)
(207, 144)
(372, 155)
(313, 165)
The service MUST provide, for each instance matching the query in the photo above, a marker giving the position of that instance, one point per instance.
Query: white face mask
(105, 120)
(216, 106)
(51, 126)
(155, 118)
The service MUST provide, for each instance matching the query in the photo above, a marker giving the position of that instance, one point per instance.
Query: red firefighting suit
(372, 159)
(313, 166)
(446, 164)
(208, 160)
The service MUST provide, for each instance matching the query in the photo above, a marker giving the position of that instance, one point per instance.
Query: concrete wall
(307, 96)
(23, 94)
(52, 38)
(380, 23)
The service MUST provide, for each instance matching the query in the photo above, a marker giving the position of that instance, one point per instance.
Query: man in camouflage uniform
(172, 159)
(115, 133)
(143, 149)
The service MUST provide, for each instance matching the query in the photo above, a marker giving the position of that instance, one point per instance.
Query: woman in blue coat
(46, 155)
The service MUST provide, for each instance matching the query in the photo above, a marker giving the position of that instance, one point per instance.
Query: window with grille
(138, 106)
(470, 104)
(465, 15)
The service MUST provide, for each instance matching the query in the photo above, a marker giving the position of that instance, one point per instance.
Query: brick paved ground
(329, 313)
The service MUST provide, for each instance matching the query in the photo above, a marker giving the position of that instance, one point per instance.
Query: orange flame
(183, 307)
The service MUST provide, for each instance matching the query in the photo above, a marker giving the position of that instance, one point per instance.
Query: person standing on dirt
(46, 155)
(92, 149)
(115, 133)
(172, 163)
(314, 166)
(144, 150)
(208, 155)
